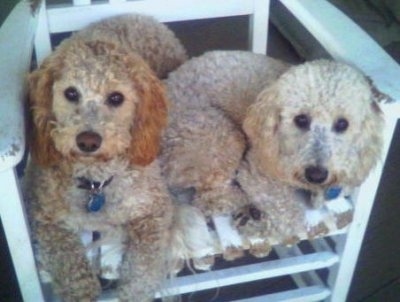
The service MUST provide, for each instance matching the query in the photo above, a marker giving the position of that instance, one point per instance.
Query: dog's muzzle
(88, 141)
(316, 174)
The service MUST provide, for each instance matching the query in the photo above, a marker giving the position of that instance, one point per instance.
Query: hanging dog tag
(332, 193)
(97, 198)
(96, 201)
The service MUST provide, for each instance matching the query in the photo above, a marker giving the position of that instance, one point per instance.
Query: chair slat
(252, 272)
(81, 2)
(64, 19)
(305, 294)
(346, 41)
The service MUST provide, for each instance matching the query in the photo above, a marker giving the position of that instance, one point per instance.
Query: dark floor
(377, 275)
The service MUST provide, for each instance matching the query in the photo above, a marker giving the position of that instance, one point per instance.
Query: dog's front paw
(260, 249)
(342, 211)
(343, 219)
(232, 253)
(87, 290)
(245, 214)
(229, 238)
(204, 263)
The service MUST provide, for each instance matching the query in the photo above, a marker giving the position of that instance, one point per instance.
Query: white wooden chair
(344, 41)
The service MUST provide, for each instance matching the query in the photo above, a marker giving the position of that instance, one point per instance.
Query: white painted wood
(349, 246)
(259, 26)
(15, 226)
(307, 294)
(252, 272)
(16, 35)
(236, 275)
(346, 41)
(173, 10)
(340, 36)
(303, 279)
(42, 35)
(116, 1)
(81, 2)
(108, 297)
(63, 19)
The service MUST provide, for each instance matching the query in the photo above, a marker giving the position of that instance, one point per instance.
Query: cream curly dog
(247, 132)
(98, 110)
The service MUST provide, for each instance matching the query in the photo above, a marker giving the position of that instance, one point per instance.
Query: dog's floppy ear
(261, 125)
(151, 110)
(370, 140)
(377, 95)
(40, 83)
(150, 116)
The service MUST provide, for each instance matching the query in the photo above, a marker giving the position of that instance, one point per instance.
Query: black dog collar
(96, 199)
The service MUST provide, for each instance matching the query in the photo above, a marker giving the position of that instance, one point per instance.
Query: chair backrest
(347, 42)
(60, 18)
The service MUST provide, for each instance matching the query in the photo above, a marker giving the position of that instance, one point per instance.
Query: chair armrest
(346, 41)
(16, 42)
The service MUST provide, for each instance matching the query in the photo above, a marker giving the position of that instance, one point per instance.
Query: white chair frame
(22, 32)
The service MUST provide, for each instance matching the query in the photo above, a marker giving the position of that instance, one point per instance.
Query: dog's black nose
(316, 174)
(88, 141)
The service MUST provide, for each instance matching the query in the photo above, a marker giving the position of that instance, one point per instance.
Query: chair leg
(15, 226)
(348, 247)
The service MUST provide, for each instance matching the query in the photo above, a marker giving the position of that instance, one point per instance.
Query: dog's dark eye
(302, 121)
(341, 125)
(115, 99)
(72, 94)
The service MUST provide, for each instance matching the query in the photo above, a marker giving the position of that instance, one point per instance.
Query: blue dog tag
(332, 193)
(96, 202)
(97, 198)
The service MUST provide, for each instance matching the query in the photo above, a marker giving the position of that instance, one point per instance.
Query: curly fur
(115, 55)
(329, 91)
(151, 40)
(232, 135)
